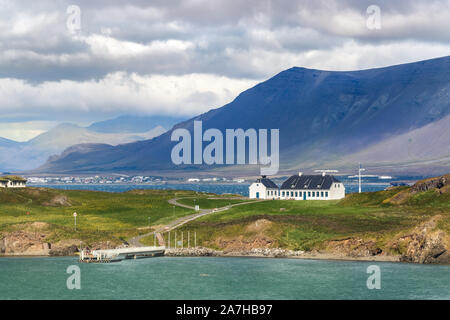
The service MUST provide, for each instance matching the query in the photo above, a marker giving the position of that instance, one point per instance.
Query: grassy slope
(101, 215)
(205, 203)
(308, 224)
(288, 224)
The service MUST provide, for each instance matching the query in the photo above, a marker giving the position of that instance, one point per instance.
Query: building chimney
(300, 174)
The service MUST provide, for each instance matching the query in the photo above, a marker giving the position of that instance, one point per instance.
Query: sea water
(220, 278)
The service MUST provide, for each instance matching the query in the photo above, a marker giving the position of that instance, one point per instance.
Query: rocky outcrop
(58, 200)
(431, 183)
(439, 184)
(425, 244)
(65, 248)
(354, 247)
(33, 239)
(24, 243)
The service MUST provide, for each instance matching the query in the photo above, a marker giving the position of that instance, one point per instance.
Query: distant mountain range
(28, 155)
(133, 124)
(393, 119)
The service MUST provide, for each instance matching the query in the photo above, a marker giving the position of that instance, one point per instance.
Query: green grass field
(207, 203)
(307, 225)
(100, 215)
(287, 224)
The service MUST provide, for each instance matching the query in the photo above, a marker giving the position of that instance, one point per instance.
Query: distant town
(124, 180)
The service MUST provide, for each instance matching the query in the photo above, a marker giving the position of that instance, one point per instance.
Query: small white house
(312, 187)
(12, 182)
(263, 188)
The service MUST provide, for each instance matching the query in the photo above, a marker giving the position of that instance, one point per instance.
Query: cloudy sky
(83, 61)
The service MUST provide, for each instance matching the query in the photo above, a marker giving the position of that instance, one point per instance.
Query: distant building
(263, 188)
(312, 187)
(299, 187)
(12, 182)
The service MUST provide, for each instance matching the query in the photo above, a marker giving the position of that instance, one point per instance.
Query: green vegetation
(208, 203)
(101, 216)
(307, 225)
(378, 217)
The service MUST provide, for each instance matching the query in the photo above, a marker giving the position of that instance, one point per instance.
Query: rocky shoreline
(256, 252)
(425, 244)
(274, 253)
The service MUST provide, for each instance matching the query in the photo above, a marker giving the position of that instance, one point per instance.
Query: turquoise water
(219, 278)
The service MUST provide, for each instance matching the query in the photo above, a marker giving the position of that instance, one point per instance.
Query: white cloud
(185, 57)
(109, 47)
(122, 92)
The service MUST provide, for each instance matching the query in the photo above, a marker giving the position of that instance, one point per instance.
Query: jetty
(115, 255)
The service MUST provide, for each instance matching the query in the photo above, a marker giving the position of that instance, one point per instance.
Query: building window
(296, 194)
(300, 194)
(309, 193)
(283, 193)
(326, 194)
(321, 194)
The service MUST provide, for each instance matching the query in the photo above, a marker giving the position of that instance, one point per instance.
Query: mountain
(428, 144)
(8, 143)
(130, 124)
(326, 118)
(28, 155)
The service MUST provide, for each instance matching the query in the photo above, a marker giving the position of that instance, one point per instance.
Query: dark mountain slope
(321, 115)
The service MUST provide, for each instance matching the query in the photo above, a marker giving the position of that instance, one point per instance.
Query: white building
(312, 187)
(12, 182)
(263, 188)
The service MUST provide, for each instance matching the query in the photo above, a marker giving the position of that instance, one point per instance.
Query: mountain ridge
(323, 116)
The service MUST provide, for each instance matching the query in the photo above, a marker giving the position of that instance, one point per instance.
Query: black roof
(267, 182)
(312, 182)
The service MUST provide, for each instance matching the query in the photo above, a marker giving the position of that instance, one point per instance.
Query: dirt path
(136, 241)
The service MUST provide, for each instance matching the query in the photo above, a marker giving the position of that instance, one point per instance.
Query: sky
(85, 61)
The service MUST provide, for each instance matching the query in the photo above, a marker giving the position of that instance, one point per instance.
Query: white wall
(11, 184)
(264, 193)
(337, 191)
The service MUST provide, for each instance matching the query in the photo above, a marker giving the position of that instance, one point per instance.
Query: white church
(299, 187)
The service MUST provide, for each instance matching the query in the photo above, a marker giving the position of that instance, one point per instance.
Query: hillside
(133, 124)
(325, 118)
(371, 225)
(30, 154)
(405, 223)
